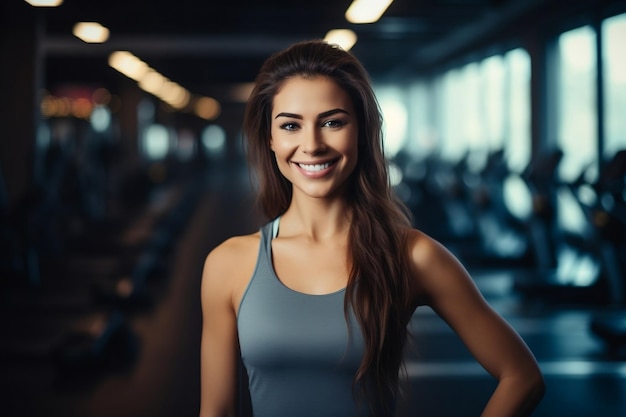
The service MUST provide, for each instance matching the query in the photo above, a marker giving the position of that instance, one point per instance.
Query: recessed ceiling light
(366, 11)
(91, 32)
(44, 3)
(342, 37)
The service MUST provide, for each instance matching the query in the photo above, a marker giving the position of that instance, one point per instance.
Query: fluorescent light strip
(91, 32)
(128, 64)
(366, 11)
(44, 3)
(345, 38)
(153, 82)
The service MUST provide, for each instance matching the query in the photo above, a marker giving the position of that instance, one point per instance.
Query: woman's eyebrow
(331, 112)
(291, 115)
(319, 116)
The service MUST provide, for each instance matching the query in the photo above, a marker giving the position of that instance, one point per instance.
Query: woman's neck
(316, 218)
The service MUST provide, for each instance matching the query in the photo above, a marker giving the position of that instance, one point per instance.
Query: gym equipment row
(86, 249)
(467, 204)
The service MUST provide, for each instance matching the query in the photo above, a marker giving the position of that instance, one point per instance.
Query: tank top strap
(275, 226)
(263, 269)
(268, 232)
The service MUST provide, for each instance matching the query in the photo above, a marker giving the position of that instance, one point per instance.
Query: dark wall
(20, 71)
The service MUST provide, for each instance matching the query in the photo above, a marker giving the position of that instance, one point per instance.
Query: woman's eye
(289, 126)
(333, 123)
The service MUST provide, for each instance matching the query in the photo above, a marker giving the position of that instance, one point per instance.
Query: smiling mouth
(316, 167)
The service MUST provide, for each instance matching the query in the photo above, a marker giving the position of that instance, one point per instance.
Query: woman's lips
(316, 169)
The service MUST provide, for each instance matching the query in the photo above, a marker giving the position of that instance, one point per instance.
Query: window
(614, 65)
(485, 106)
(516, 131)
(517, 118)
(578, 119)
(493, 103)
(395, 118)
(577, 122)
(453, 144)
(421, 138)
(469, 100)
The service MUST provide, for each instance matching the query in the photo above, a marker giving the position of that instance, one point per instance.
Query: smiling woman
(314, 135)
(316, 304)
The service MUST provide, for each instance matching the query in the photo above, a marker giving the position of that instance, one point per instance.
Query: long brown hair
(378, 289)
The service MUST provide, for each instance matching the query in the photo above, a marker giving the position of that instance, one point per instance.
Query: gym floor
(583, 378)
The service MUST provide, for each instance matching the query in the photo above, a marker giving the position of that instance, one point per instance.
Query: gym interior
(506, 139)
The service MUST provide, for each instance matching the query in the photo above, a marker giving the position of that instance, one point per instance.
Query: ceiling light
(152, 81)
(366, 11)
(342, 37)
(207, 108)
(174, 95)
(149, 79)
(91, 32)
(44, 3)
(128, 64)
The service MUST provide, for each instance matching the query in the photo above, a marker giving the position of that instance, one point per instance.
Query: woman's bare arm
(221, 281)
(452, 294)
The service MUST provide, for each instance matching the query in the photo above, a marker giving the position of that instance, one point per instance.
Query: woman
(318, 301)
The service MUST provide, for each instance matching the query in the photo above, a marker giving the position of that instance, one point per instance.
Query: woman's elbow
(537, 386)
(534, 387)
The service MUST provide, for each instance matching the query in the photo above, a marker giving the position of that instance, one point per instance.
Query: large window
(452, 139)
(577, 110)
(484, 106)
(614, 63)
(578, 119)
(517, 117)
(493, 100)
(516, 130)
(470, 99)
(395, 117)
(422, 140)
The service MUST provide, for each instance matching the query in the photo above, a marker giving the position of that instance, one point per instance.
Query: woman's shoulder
(228, 267)
(436, 269)
(234, 250)
(424, 249)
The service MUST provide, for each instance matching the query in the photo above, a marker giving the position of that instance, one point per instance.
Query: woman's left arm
(449, 290)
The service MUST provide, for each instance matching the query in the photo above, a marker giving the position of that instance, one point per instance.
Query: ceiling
(206, 45)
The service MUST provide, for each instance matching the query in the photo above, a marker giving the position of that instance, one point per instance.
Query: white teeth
(314, 167)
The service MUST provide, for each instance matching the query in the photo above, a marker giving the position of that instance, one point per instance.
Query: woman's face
(314, 135)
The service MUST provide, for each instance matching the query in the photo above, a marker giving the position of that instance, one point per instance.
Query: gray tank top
(299, 355)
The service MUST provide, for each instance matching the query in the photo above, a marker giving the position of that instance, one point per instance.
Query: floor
(153, 367)
(582, 378)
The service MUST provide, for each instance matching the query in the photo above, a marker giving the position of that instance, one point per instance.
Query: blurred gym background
(122, 166)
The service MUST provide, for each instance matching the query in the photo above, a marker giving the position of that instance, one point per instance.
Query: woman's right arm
(219, 348)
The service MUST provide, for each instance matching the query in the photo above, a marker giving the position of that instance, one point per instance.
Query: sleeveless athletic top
(296, 347)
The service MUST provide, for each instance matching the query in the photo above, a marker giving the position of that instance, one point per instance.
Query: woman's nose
(313, 142)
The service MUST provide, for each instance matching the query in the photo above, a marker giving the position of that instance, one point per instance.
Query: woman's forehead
(310, 95)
